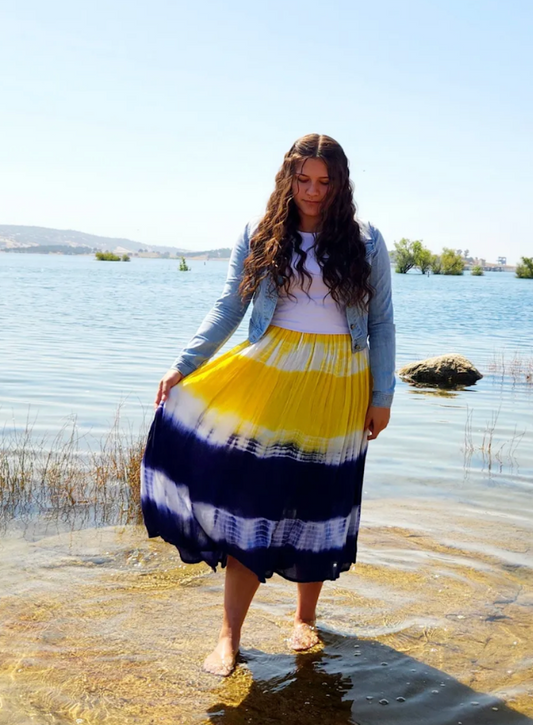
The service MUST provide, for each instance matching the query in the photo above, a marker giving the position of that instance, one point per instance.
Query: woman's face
(310, 186)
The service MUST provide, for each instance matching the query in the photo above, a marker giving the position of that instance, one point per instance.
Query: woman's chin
(310, 209)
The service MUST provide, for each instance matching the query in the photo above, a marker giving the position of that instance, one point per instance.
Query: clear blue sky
(166, 121)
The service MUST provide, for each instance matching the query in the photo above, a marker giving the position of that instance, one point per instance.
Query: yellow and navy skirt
(260, 454)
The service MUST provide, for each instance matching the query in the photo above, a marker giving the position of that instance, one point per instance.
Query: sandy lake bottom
(105, 626)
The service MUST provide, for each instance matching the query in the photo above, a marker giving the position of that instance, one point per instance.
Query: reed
(519, 368)
(491, 451)
(71, 471)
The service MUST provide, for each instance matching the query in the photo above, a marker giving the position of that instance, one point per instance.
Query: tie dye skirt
(260, 454)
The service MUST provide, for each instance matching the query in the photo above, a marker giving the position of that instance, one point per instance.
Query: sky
(165, 122)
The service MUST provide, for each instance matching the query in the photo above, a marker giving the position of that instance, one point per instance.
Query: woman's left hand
(376, 420)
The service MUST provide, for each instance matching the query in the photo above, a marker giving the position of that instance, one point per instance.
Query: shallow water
(80, 336)
(99, 624)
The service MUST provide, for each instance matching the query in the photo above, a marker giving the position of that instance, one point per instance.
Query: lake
(442, 591)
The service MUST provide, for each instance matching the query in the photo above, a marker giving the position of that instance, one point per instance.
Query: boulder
(443, 370)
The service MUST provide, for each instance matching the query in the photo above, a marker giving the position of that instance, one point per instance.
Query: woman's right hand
(169, 379)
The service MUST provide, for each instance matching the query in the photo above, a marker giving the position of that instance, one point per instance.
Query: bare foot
(221, 661)
(304, 636)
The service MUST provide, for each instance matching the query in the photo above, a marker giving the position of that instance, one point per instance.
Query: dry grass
(519, 368)
(71, 472)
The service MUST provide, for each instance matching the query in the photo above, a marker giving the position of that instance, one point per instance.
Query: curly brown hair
(339, 249)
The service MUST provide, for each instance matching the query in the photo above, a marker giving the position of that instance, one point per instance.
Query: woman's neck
(308, 223)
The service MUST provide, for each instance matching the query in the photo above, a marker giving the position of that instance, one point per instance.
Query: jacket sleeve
(381, 327)
(224, 317)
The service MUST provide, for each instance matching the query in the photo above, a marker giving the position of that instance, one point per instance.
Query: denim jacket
(374, 327)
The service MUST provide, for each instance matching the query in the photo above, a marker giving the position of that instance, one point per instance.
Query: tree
(409, 254)
(436, 264)
(422, 256)
(477, 270)
(126, 258)
(183, 265)
(452, 262)
(405, 259)
(524, 268)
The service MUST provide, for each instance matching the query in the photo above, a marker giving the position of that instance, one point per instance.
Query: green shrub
(107, 257)
(524, 268)
(477, 270)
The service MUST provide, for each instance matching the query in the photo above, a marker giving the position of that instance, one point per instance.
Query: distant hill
(18, 237)
(222, 253)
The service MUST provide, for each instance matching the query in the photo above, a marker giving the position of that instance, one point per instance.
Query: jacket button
(351, 327)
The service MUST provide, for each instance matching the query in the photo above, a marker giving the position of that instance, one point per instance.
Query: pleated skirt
(260, 454)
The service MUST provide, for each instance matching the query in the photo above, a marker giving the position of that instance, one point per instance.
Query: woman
(256, 459)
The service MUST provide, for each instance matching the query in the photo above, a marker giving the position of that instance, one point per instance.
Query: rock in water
(443, 370)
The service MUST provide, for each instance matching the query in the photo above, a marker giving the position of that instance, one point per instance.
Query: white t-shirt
(317, 313)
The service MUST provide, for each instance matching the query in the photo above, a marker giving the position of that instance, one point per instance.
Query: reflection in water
(357, 681)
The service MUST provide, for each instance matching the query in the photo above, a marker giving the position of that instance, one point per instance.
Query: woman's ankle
(311, 621)
(234, 636)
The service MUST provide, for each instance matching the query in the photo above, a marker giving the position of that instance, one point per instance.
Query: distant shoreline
(142, 255)
(166, 256)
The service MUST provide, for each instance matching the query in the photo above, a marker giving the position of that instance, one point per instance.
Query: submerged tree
(422, 256)
(404, 256)
(436, 264)
(183, 265)
(410, 254)
(452, 263)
